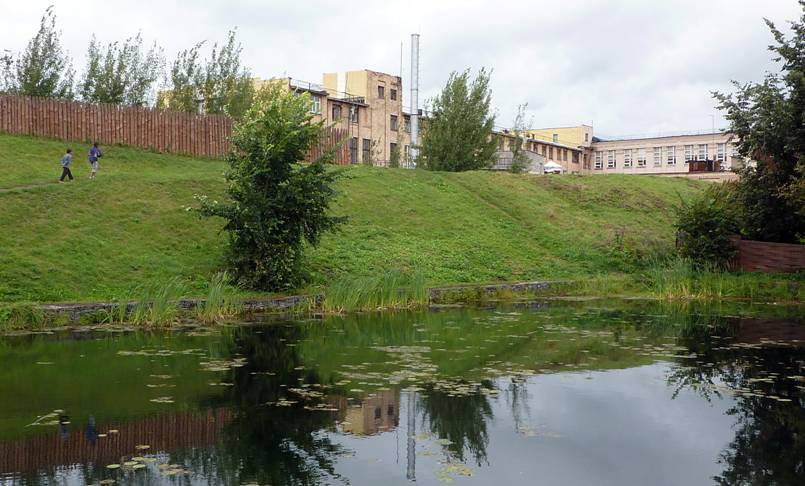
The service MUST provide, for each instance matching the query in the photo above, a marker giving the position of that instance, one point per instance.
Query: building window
(336, 112)
(586, 137)
(393, 150)
(641, 158)
(611, 159)
(657, 156)
(599, 161)
(555, 138)
(315, 104)
(353, 114)
(407, 123)
(393, 123)
(670, 155)
(721, 152)
(406, 151)
(702, 154)
(367, 151)
(627, 158)
(550, 153)
(688, 153)
(353, 150)
(575, 157)
(381, 92)
(393, 94)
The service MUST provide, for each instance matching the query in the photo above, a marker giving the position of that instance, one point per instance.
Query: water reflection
(559, 393)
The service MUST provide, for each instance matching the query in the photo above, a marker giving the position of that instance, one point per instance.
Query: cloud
(627, 66)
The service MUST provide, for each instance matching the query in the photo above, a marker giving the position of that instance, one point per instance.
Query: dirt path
(25, 188)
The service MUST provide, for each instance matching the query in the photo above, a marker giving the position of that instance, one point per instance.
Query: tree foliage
(768, 119)
(43, 68)
(459, 131)
(122, 73)
(221, 81)
(278, 205)
(520, 160)
(705, 227)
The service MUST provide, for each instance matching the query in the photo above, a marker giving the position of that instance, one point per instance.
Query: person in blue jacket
(65, 165)
(94, 155)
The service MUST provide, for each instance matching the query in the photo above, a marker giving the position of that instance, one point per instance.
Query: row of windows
(381, 92)
(366, 152)
(639, 156)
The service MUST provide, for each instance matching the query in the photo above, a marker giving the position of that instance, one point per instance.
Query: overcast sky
(625, 66)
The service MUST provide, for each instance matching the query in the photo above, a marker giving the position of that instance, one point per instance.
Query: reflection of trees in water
(270, 444)
(461, 419)
(769, 443)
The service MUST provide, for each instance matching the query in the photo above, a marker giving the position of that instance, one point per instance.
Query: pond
(556, 392)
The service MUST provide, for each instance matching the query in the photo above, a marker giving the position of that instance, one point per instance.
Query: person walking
(94, 155)
(66, 161)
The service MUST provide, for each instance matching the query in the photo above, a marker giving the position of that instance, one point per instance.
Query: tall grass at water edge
(390, 290)
(678, 278)
(221, 301)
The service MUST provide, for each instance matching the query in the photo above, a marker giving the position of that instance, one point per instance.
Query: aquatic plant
(21, 316)
(221, 301)
(392, 289)
(157, 304)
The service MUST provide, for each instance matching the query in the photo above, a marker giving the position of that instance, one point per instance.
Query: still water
(570, 393)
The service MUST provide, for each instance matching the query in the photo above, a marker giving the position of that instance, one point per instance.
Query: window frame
(627, 158)
(641, 158)
(315, 104)
(381, 92)
(394, 123)
(670, 155)
(599, 161)
(699, 152)
(657, 156)
(393, 94)
(612, 162)
(689, 153)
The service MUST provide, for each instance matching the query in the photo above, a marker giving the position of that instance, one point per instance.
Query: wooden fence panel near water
(161, 131)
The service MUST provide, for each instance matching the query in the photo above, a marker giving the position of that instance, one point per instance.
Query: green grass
(392, 289)
(103, 239)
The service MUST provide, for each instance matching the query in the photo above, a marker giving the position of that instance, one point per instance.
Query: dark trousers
(66, 173)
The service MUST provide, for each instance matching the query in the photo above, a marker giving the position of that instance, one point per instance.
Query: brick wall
(761, 256)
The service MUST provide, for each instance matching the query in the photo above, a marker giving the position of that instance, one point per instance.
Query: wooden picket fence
(146, 128)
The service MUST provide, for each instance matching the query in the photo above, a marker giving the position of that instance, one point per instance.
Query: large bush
(277, 203)
(705, 227)
(768, 119)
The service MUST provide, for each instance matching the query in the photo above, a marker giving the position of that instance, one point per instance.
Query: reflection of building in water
(378, 413)
(167, 432)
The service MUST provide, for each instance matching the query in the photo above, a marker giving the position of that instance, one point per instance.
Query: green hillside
(91, 240)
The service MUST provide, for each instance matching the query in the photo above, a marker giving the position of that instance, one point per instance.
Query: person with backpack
(94, 155)
(66, 161)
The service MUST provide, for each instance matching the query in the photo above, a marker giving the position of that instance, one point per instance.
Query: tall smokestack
(414, 97)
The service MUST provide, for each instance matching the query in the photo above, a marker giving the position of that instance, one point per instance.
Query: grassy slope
(98, 240)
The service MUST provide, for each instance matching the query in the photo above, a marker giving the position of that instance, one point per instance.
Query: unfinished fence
(146, 128)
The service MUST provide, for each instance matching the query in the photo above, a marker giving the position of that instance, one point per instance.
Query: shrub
(278, 204)
(705, 227)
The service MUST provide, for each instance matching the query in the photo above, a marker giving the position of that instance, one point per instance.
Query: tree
(220, 81)
(186, 76)
(459, 132)
(43, 69)
(394, 158)
(227, 86)
(520, 160)
(123, 74)
(705, 227)
(277, 204)
(768, 119)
